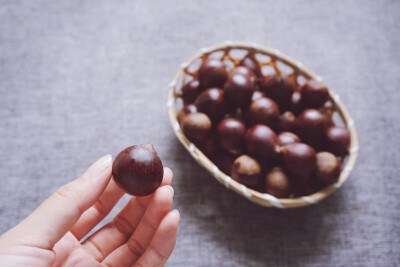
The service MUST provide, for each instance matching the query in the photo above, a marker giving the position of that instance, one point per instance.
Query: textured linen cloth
(80, 79)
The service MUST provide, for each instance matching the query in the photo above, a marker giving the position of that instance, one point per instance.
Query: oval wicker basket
(267, 58)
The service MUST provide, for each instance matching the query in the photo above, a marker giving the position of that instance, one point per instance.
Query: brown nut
(277, 183)
(327, 168)
(196, 127)
(246, 170)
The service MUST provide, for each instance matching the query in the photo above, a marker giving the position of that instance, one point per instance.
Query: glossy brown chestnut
(277, 183)
(224, 161)
(257, 94)
(238, 90)
(295, 103)
(246, 170)
(212, 73)
(280, 88)
(188, 109)
(263, 111)
(261, 141)
(337, 140)
(251, 64)
(211, 103)
(310, 127)
(299, 160)
(286, 122)
(190, 91)
(196, 127)
(230, 134)
(244, 71)
(327, 169)
(138, 170)
(285, 138)
(208, 147)
(314, 94)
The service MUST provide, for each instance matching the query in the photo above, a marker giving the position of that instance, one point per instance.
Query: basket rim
(264, 199)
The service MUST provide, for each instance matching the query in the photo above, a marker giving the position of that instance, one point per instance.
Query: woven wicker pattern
(269, 59)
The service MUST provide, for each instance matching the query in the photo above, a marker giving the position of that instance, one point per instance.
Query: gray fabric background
(80, 79)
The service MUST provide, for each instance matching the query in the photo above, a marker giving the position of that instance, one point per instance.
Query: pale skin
(142, 234)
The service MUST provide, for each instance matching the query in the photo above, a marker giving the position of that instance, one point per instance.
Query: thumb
(56, 215)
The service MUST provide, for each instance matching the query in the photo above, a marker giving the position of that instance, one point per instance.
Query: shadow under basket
(270, 60)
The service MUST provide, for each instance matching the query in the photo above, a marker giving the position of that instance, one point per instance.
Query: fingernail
(98, 167)
(176, 212)
(170, 188)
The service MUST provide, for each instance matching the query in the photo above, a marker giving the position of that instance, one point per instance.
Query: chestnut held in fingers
(285, 138)
(337, 140)
(246, 170)
(190, 91)
(211, 102)
(138, 170)
(328, 168)
(299, 160)
(260, 141)
(212, 73)
(230, 133)
(280, 88)
(310, 127)
(277, 183)
(238, 90)
(263, 111)
(196, 127)
(251, 64)
(286, 122)
(314, 94)
(188, 109)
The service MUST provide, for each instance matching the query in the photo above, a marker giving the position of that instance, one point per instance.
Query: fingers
(104, 205)
(98, 211)
(118, 231)
(160, 247)
(56, 215)
(128, 253)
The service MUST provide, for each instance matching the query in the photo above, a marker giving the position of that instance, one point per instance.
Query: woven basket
(267, 58)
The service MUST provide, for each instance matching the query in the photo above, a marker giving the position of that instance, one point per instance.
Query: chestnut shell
(280, 88)
(277, 183)
(238, 90)
(211, 102)
(138, 170)
(263, 111)
(212, 73)
(299, 160)
(230, 133)
(246, 170)
(261, 141)
(196, 127)
(190, 91)
(337, 140)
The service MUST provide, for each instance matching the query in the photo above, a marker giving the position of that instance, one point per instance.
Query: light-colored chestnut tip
(149, 146)
(278, 149)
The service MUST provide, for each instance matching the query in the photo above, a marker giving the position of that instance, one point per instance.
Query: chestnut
(295, 103)
(196, 127)
(230, 134)
(244, 71)
(263, 111)
(285, 138)
(280, 88)
(286, 122)
(277, 183)
(211, 103)
(224, 161)
(208, 147)
(314, 94)
(299, 160)
(188, 109)
(190, 91)
(138, 170)
(310, 127)
(261, 141)
(256, 95)
(337, 140)
(238, 90)
(327, 169)
(246, 170)
(252, 64)
(212, 73)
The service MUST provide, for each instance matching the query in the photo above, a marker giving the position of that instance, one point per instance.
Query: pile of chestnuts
(268, 132)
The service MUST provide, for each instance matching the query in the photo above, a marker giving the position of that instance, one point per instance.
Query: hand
(142, 234)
